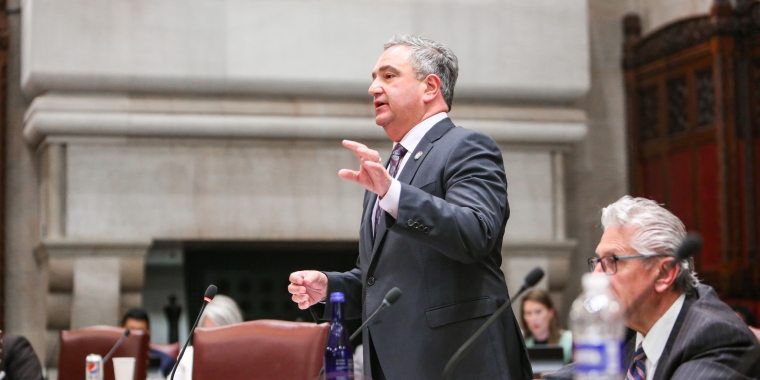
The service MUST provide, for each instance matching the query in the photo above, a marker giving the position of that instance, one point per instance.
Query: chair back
(262, 349)
(77, 344)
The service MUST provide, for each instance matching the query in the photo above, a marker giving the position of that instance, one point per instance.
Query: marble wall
(136, 122)
(298, 46)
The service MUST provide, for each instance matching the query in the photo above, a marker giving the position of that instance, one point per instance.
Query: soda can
(94, 367)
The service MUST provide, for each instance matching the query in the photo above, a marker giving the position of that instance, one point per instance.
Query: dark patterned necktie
(638, 370)
(396, 156)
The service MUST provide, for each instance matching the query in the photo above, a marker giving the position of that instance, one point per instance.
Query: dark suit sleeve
(21, 363)
(350, 284)
(466, 224)
(723, 351)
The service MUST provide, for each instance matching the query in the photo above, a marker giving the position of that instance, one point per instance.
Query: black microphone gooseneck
(115, 346)
(390, 298)
(207, 297)
(530, 280)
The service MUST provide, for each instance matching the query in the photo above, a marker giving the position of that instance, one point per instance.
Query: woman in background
(540, 323)
(222, 311)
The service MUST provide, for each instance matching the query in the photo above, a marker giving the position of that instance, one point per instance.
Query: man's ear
(669, 270)
(432, 88)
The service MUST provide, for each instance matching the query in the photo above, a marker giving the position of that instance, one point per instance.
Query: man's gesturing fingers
(379, 179)
(361, 151)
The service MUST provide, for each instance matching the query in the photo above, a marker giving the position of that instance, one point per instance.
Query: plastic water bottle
(339, 357)
(598, 324)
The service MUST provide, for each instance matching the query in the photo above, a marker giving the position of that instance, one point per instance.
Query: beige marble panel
(529, 185)
(142, 189)
(96, 292)
(212, 189)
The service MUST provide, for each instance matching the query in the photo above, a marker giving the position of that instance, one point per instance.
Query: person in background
(19, 360)
(745, 315)
(541, 325)
(222, 311)
(137, 319)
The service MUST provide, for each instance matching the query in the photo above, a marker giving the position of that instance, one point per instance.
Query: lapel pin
(418, 155)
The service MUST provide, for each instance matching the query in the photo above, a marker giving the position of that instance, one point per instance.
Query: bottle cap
(337, 297)
(595, 280)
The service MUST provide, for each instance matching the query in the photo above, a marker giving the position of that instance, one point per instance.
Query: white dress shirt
(654, 342)
(389, 202)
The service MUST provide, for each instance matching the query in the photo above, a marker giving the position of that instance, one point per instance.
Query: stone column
(90, 283)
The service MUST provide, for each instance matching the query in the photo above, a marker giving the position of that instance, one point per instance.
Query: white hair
(656, 231)
(430, 57)
(222, 311)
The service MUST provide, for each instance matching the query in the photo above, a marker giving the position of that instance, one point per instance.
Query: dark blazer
(19, 360)
(708, 341)
(444, 253)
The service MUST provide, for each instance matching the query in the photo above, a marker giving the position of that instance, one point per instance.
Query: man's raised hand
(371, 174)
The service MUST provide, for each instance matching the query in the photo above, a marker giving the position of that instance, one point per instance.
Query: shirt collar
(654, 342)
(413, 137)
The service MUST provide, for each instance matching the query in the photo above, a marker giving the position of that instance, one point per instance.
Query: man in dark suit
(433, 222)
(19, 362)
(679, 329)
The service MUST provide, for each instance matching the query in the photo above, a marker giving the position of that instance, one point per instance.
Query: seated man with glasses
(679, 329)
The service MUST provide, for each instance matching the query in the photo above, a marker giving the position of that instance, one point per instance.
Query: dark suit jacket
(19, 360)
(444, 253)
(708, 341)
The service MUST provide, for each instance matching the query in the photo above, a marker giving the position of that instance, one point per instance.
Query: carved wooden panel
(649, 113)
(695, 87)
(678, 122)
(705, 97)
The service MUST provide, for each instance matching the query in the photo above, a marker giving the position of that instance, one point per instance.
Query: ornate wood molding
(671, 39)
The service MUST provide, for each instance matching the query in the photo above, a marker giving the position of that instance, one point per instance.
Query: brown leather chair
(263, 349)
(77, 344)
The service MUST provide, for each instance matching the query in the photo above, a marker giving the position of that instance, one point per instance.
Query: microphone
(690, 246)
(115, 346)
(207, 297)
(390, 298)
(530, 280)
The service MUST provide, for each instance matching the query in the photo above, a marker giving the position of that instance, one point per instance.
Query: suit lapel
(664, 358)
(408, 172)
(366, 232)
(422, 149)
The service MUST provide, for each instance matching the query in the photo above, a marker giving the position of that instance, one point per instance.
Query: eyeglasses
(609, 263)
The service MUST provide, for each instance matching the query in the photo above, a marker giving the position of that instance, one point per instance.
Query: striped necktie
(396, 156)
(638, 370)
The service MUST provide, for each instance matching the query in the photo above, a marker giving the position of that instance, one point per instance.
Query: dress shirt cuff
(389, 202)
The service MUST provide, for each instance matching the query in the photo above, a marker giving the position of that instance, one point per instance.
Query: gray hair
(430, 57)
(657, 231)
(222, 311)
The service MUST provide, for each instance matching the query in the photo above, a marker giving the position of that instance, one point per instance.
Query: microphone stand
(533, 277)
(115, 346)
(210, 293)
